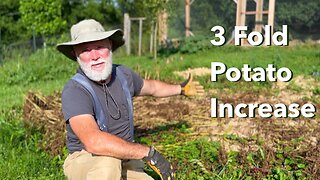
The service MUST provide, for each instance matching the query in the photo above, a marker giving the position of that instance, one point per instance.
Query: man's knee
(105, 168)
(133, 169)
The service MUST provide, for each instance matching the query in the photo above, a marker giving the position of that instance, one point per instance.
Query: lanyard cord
(106, 92)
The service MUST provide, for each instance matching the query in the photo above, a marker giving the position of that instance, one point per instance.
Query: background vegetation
(45, 71)
(20, 18)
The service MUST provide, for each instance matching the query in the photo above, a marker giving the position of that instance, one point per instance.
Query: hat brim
(116, 36)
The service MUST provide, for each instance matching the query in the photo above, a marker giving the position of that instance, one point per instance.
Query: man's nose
(95, 55)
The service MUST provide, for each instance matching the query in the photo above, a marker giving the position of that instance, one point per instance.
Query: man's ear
(73, 52)
(110, 42)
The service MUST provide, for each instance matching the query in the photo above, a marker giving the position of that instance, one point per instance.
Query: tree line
(20, 19)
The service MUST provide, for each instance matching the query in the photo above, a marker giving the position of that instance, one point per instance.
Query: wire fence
(24, 48)
(203, 16)
(20, 49)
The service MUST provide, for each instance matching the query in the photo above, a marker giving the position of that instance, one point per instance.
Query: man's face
(95, 59)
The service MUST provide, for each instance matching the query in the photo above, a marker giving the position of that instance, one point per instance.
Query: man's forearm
(160, 89)
(111, 145)
(166, 90)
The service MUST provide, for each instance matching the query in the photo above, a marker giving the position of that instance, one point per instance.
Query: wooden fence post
(187, 11)
(127, 29)
(140, 36)
(271, 14)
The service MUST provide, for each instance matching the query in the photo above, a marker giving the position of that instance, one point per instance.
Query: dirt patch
(151, 112)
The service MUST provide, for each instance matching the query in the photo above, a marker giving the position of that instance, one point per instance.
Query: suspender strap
(99, 114)
(126, 90)
(101, 120)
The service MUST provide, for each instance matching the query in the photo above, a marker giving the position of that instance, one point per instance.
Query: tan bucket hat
(86, 31)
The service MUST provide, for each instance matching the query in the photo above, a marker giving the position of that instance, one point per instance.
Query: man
(100, 134)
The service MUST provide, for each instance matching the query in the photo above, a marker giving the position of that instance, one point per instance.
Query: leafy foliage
(195, 44)
(186, 46)
(43, 16)
(144, 8)
(11, 31)
(302, 16)
(103, 11)
(20, 17)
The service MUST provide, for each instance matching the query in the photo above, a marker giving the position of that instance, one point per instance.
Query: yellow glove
(191, 88)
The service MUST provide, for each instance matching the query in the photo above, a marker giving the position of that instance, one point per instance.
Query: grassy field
(46, 71)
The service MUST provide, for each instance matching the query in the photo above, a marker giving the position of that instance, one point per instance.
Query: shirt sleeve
(134, 80)
(75, 101)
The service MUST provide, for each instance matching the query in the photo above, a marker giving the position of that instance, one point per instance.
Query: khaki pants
(84, 166)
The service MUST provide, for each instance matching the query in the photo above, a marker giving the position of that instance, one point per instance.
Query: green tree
(301, 16)
(144, 8)
(42, 16)
(11, 31)
(103, 11)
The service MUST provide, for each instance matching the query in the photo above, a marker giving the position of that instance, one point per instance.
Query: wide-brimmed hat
(89, 30)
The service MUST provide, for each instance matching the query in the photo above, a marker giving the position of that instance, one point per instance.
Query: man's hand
(191, 88)
(159, 164)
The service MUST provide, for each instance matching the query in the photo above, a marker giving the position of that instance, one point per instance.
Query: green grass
(301, 60)
(47, 71)
(20, 155)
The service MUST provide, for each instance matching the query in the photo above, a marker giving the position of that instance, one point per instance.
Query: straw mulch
(44, 114)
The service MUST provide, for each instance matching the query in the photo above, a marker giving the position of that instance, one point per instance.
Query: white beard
(97, 75)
